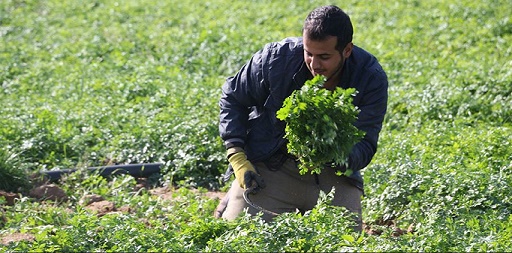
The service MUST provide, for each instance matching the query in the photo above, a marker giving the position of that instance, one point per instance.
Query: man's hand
(244, 172)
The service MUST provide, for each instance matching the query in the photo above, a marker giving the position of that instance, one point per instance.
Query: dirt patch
(89, 199)
(166, 193)
(101, 207)
(377, 228)
(48, 192)
(215, 195)
(16, 237)
(94, 203)
(9, 197)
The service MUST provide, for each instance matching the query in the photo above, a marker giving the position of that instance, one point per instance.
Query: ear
(347, 51)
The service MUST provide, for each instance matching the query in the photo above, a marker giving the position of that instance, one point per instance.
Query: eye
(324, 57)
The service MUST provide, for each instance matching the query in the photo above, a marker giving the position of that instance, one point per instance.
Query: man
(254, 137)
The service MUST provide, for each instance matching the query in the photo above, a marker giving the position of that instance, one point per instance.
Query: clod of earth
(48, 192)
(9, 197)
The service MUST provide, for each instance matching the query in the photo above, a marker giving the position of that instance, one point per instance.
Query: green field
(91, 83)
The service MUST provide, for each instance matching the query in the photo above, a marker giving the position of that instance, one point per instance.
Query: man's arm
(372, 111)
(239, 93)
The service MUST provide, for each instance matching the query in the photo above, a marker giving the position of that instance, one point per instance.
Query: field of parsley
(91, 83)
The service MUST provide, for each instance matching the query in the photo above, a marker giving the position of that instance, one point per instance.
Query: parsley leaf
(319, 125)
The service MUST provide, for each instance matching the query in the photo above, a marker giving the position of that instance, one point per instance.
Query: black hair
(329, 21)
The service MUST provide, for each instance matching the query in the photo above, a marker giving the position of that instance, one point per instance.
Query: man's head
(329, 21)
(327, 36)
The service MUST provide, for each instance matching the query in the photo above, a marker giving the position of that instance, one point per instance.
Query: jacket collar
(302, 75)
(345, 75)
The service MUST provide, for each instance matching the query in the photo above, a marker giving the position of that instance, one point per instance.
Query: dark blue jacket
(251, 98)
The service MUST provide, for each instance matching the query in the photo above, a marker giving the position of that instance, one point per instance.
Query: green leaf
(319, 125)
(348, 238)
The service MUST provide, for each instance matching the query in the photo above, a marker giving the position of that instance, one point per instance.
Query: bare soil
(95, 203)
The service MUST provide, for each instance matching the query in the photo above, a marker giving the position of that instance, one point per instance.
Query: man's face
(322, 58)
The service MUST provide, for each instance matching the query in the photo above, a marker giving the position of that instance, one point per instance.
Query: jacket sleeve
(239, 93)
(372, 107)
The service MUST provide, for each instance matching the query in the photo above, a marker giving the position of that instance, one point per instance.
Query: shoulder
(275, 53)
(291, 46)
(364, 59)
(365, 62)
(280, 57)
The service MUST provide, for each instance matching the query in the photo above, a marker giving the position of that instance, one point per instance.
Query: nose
(315, 63)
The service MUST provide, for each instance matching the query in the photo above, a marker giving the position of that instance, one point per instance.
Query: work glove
(245, 173)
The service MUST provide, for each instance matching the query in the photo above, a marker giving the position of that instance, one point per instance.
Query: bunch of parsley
(319, 125)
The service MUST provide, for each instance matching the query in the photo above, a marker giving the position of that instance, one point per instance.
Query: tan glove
(245, 173)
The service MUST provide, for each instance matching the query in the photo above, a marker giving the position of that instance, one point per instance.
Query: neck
(331, 83)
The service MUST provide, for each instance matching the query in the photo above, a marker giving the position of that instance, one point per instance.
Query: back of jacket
(251, 98)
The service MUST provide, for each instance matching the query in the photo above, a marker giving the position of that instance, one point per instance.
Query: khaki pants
(288, 191)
